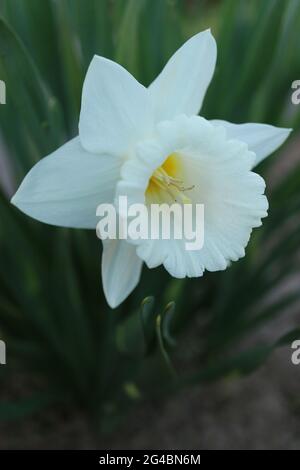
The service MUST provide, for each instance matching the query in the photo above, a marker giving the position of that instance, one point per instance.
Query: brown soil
(259, 412)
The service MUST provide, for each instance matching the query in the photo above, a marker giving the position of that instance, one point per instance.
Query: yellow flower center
(166, 184)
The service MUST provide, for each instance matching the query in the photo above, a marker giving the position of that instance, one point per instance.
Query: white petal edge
(115, 109)
(121, 270)
(181, 86)
(66, 187)
(262, 139)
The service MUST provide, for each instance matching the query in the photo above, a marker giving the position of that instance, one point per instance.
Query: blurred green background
(74, 352)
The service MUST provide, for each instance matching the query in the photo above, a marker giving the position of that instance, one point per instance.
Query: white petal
(121, 270)
(262, 139)
(173, 255)
(66, 187)
(181, 86)
(115, 109)
(218, 172)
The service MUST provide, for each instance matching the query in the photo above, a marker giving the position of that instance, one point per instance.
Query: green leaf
(36, 29)
(10, 411)
(148, 317)
(31, 120)
(163, 351)
(166, 324)
(127, 42)
(242, 363)
(130, 336)
(70, 61)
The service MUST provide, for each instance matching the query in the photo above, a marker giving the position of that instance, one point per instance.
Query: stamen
(172, 186)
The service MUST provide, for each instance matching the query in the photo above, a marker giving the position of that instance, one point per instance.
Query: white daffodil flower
(133, 141)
